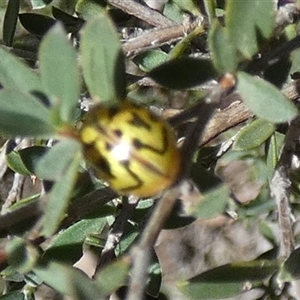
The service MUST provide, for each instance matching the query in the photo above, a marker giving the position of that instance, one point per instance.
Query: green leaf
(264, 99)
(53, 165)
(113, 276)
(155, 274)
(249, 22)
(61, 192)
(25, 160)
(290, 269)
(16, 295)
(31, 156)
(59, 73)
(10, 21)
(36, 24)
(71, 23)
(228, 280)
(87, 9)
(253, 135)
(295, 60)
(150, 59)
(173, 12)
(37, 4)
(210, 9)
(16, 75)
(188, 5)
(213, 203)
(184, 72)
(68, 281)
(15, 163)
(23, 115)
(67, 246)
(21, 256)
(184, 44)
(129, 236)
(224, 54)
(102, 60)
(272, 156)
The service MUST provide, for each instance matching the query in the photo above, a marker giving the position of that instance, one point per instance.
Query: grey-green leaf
(53, 165)
(188, 6)
(21, 256)
(272, 156)
(36, 4)
(23, 115)
(213, 203)
(118, 270)
(150, 59)
(16, 75)
(59, 72)
(16, 295)
(228, 280)
(102, 60)
(248, 22)
(16, 164)
(10, 21)
(264, 99)
(68, 281)
(67, 246)
(224, 54)
(253, 135)
(25, 160)
(61, 192)
(290, 271)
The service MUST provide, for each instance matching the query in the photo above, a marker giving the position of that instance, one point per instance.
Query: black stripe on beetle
(102, 165)
(99, 162)
(137, 121)
(138, 144)
(139, 182)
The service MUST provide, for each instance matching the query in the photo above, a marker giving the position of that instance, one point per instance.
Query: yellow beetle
(131, 148)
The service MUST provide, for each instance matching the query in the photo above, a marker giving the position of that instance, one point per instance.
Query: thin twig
(157, 37)
(142, 12)
(223, 119)
(141, 254)
(3, 164)
(280, 190)
(113, 239)
(280, 186)
(14, 193)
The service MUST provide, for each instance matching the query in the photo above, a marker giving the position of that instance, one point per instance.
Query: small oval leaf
(53, 165)
(10, 21)
(184, 72)
(150, 59)
(62, 191)
(253, 135)
(23, 115)
(59, 73)
(227, 280)
(67, 246)
(36, 24)
(249, 22)
(16, 75)
(224, 54)
(290, 269)
(102, 60)
(264, 99)
(16, 164)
